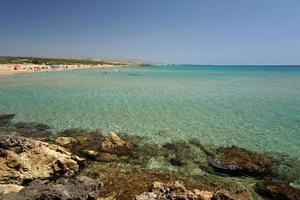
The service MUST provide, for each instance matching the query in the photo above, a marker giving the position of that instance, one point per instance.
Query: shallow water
(253, 107)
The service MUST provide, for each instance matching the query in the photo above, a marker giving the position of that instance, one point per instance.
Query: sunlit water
(253, 107)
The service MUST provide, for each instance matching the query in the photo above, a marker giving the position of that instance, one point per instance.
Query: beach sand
(7, 69)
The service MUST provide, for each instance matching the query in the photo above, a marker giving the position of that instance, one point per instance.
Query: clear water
(253, 107)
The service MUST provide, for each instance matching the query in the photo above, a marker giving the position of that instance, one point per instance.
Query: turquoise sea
(249, 106)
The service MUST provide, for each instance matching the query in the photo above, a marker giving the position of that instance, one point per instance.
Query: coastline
(11, 69)
(110, 166)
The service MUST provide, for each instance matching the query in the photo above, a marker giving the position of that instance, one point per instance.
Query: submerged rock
(180, 153)
(113, 144)
(23, 160)
(239, 161)
(79, 188)
(286, 168)
(33, 129)
(6, 118)
(278, 191)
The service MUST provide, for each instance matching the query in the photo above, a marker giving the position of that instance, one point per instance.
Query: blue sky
(172, 31)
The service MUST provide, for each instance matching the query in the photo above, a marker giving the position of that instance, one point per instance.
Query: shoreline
(12, 69)
(130, 168)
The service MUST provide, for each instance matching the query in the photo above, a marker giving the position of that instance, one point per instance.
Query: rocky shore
(79, 164)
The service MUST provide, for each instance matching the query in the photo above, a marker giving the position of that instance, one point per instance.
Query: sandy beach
(8, 69)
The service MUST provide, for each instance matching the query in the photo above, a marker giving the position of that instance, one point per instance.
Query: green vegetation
(50, 61)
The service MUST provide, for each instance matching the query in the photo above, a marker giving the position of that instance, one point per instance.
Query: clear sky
(172, 31)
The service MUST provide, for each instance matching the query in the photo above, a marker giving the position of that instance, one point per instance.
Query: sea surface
(248, 106)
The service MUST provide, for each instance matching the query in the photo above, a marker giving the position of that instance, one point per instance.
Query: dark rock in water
(177, 161)
(33, 129)
(6, 118)
(79, 188)
(278, 191)
(23, 160)
(179, 153)
(285, 168)
(239, 161)
(182, 153)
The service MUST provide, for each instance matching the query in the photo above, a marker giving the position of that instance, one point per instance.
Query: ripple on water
(248, 107)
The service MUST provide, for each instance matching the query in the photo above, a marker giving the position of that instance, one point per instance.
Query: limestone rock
(90, 154)
(237, 195)
(79, 188)
(8, 188)
(23, 160)
(113, 144)
(63, 141)
(170, 191)
(107, 157)
(176, 190)
(205, 195)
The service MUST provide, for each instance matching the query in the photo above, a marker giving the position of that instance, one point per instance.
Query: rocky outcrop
(8, 188)
(114, 145)
(177, 190)
(79, 188)
(90, 154)
(23, 160)
(278, 191)
(171, 191)
(223, 194)
(239, 161)
(64, 141)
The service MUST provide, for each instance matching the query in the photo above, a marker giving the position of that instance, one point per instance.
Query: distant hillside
(52, 61)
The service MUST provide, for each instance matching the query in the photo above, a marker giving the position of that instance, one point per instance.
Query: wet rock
(182, 153)
(239, 161)
(8, 188)
(6, 118)
(170, 191)
(90, 154)
(24, 160)
(113, 144)
(226, 195)
(177, 190)
(79, 188)
(177, 153)
(285, 168)
(64, 141)
(278, 191)
(107, 157)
